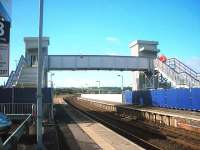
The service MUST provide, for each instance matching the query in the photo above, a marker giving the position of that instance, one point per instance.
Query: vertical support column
(39, 81)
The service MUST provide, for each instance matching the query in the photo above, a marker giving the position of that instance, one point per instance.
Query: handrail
(20, 65)
(178, 76)
(14, 76)
(184, 67)
(11, 76)
(15, 136)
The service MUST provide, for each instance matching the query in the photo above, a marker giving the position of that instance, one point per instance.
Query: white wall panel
(116, 98)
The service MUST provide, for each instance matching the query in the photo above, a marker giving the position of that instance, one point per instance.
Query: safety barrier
(11, 141)
(26, 108)
(16, 108)
(180, 98)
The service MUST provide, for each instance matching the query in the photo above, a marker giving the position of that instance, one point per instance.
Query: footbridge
(99, 62)
(147, 70)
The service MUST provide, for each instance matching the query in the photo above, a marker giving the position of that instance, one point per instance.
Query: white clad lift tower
(144, 79)
(31, 55)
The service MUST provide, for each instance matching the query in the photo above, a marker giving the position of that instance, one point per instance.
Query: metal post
(99, 87)
(13, 95)
(39, 80)
(122, 86)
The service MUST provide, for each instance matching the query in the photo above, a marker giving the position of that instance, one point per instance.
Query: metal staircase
(178, 73)
(14, 75)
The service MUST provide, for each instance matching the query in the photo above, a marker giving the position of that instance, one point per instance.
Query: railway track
(141, 133)
(122, 131)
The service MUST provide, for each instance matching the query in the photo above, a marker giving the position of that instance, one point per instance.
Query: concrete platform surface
(104, 137)
(193, 115)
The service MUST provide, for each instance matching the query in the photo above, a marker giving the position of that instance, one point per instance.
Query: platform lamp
(51, 75)
(99, 86)
(122, 85)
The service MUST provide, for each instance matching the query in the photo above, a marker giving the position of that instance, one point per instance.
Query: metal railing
(26, 108)
(176, 75)
(10, 80)
(14, 76)
(11, 141)
(17, 108)
(181, 67)
(25, 111)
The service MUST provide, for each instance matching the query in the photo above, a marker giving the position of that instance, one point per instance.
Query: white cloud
(112, 39)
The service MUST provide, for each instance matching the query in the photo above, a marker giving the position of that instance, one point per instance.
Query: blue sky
(108, 27)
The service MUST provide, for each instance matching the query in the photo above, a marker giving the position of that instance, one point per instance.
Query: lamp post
(122, 85)
(122, 81)
(39, 80)
(99, 86)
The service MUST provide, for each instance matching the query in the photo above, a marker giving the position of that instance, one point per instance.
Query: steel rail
(121, 131)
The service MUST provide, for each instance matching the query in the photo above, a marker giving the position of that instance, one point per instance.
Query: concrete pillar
(146, 49)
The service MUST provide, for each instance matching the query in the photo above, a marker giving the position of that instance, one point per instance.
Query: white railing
(177, 78)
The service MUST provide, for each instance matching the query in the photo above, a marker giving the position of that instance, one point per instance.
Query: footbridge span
(147, 69)
(99, 62)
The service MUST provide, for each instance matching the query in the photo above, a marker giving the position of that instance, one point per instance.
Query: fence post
(4, 109)
(13, 95)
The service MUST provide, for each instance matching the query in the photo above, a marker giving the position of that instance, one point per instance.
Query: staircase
(25, 76)
(178, 73)
(28, 77)
(14, 75)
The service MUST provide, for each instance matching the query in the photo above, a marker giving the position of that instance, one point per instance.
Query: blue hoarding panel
(127, 97)
(136, 97)
(183, 99)
(161, 97)
(171, 98)
(195, 96)
(153, 96)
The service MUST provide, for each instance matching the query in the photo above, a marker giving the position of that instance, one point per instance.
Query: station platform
(100, 135)
(189, 120)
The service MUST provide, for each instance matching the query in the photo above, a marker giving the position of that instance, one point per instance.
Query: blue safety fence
(195, 96)
(127, 96)
(180, 98)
